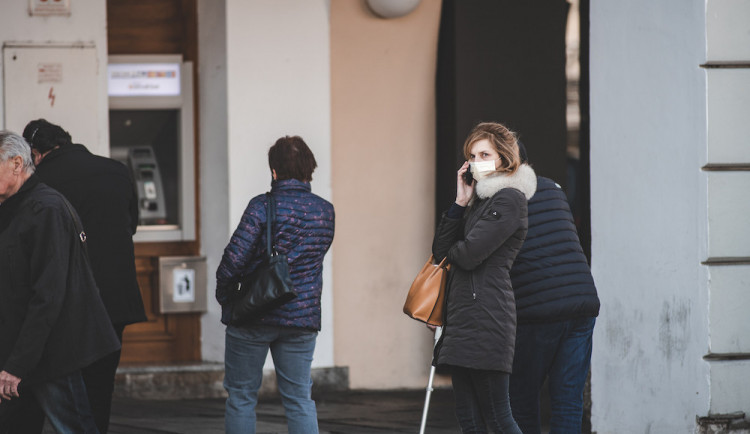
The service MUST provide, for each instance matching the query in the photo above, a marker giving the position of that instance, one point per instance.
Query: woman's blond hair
(503, 140)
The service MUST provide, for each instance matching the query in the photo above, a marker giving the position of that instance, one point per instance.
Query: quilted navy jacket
(551, 277)
(303, 231)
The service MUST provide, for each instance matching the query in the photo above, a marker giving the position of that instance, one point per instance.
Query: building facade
(670, 89)
(669, 98)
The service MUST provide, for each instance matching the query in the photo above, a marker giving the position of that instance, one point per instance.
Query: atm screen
(147, 142)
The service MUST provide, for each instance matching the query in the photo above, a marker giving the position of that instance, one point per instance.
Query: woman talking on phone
(480, 235)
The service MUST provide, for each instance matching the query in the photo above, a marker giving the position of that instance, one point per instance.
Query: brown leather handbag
(426, 299)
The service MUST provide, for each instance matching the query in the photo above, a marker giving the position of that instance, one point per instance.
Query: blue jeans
(63, 400)
(245, 353)
(482, 398)
(562, 352)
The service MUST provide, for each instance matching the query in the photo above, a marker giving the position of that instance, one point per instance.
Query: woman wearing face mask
(480, 235)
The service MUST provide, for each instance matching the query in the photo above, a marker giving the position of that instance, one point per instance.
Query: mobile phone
(468, 178)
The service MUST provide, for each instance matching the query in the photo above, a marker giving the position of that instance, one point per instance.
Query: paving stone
(339, 412)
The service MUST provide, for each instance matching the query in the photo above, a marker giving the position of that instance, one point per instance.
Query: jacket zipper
(473, 290)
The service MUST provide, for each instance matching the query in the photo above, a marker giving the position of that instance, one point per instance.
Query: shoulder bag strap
(270, 219)
(79, 228)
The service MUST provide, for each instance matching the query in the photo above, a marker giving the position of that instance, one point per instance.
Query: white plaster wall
(278, 83)
(730, 387)
(730, 303)
(648, 209)
(87, 23)
(728, 211)
(727, 30)
(214, 161)
(728, 107)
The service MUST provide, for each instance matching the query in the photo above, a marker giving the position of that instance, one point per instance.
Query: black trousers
(100, 384)
(22, 414)
(99, 377)
(481, 400)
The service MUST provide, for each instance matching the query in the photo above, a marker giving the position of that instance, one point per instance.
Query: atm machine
(144, 166)
(151, 132)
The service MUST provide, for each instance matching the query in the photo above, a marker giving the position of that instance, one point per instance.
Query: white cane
(438, 332)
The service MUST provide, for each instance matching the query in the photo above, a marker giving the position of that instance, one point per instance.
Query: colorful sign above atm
(143, 79)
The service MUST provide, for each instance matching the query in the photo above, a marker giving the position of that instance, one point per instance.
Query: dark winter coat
(480, 324)
(303, 232)
(52, 320)
(551, 276)
(102, 192)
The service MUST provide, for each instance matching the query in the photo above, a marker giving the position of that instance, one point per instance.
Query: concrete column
(728, 168)
(277, 67)
(648, 214)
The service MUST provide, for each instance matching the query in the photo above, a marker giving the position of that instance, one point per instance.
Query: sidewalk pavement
(350, 412)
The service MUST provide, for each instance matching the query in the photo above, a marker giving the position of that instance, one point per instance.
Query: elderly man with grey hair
(53, 320)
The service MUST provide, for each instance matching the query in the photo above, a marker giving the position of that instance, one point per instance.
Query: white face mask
(481, 169)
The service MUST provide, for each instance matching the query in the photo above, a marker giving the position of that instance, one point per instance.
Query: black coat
(52, 320)
(551, 276)
(480, 324)
(103, 194)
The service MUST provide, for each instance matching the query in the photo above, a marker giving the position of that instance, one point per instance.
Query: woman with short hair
(303, 231)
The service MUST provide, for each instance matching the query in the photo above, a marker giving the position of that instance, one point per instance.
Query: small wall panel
(728, 213)
(729, 321)
(728, 111)
(728, 30)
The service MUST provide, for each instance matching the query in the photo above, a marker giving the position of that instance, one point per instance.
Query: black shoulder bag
(270, 285)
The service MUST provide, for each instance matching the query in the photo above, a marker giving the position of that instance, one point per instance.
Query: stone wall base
(735, 423)
(205, 380)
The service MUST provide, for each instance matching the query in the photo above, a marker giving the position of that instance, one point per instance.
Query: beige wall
(383, 141)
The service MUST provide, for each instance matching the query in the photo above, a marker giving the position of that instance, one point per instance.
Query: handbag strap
(270, 219)
(79, 229)
(442, 263)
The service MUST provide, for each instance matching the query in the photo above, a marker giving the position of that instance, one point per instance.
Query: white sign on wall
(50, 72)
(57, 83)
(143, 79)
(184, 285)
(49, 7)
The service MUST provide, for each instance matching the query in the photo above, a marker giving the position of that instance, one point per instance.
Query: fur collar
(524, 180)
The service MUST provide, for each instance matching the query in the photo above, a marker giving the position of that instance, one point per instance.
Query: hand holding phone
(467, 177)
(464, 185)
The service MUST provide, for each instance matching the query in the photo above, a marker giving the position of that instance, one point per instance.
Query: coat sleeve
(49, 250)
(447, 233)
(499, 221)
(240, 250)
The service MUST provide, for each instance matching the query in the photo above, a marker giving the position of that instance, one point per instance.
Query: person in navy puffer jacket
(303, 229)
(556, 308)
